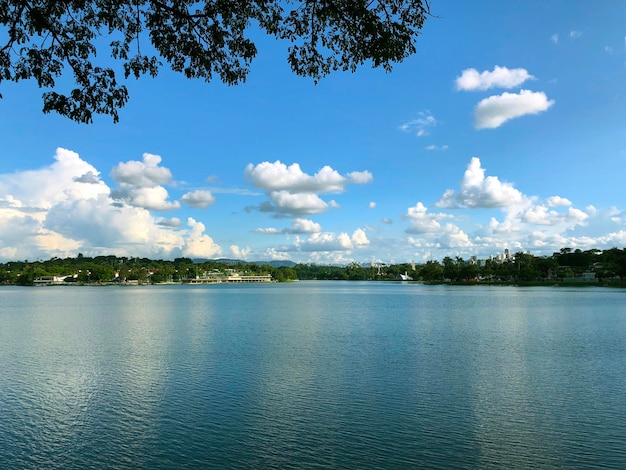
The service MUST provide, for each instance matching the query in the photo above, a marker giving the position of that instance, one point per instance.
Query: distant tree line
(104, 269)
(566, 265)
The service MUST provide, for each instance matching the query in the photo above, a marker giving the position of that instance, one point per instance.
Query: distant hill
(273, 263)
(276, 263)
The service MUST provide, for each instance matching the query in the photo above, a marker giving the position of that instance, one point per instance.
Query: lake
(312, 375)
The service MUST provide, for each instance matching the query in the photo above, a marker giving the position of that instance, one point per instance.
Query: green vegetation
(106, 269)
(565, 267)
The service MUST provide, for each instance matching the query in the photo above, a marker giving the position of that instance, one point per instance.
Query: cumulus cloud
(435, 236)
(421, 125)
(293, 193)
(543, 228)
(279, 177)
(305, 226)
(326, 241)
(298, 226)
(449, 236)
(63, 208)
(494, 111)
(478, 191)
(96, 224)
(154, 198)
(555, 201)
(41, 189)
(140, 183)
(555, 38)
(240, 253)
(359, 238)
(360, 177)
(422, 221)
(198, 244)
(500, 77)
(541, 215)
(524, 222)
(371, 205)
(145, 174)
(199, 199)
(286, 204)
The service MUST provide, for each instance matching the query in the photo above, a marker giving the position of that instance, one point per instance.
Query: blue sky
(507, 129)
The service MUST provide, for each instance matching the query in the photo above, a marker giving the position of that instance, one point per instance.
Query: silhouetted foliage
(41, 38)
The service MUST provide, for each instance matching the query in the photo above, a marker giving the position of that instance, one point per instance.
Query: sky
(507, 129)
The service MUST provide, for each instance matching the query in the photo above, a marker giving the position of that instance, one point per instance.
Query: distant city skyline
(506, 130)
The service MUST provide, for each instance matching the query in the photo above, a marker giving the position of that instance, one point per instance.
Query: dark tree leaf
(44, 39)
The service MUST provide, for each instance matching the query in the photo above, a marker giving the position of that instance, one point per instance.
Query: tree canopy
(40, 39)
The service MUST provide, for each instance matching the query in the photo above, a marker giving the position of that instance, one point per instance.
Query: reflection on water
(313, 374)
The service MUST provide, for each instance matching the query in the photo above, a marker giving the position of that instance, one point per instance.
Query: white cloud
(575, 34)
(298, 226)
(371, 205)
(293, 193)
(326, 241)
(494, 111)
(360, 177)
(145, 174)
(63, 208)
(527, 223)
(286, 204)
(359, 238)
(279, 177)
(275, 253)
(555, 38)
(448, 237)
(542, 229)
(433, 234)
(140, 183)
(198, 244)
(421, 125)
(500, 77)
(43, 188)
(555, 201)
(540, 215)
(200, 198)
(422, 221)
(478, 191)
(10, 201)
(304, 226)
(154, 198)
(240, 253)
(98, 224)
(612, 239)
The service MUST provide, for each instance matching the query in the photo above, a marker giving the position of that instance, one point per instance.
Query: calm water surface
(312, 374)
